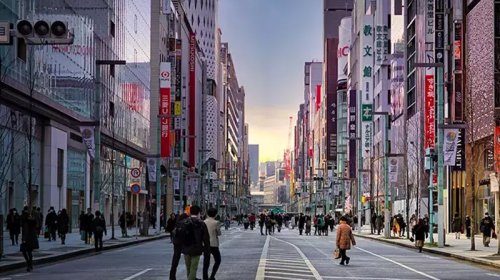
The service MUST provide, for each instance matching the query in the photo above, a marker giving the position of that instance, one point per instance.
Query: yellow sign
(177, 108)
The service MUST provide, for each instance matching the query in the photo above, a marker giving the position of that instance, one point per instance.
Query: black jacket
(99, 225)
(63, 223)
(201, 242)
(420, 231)
(51, 219)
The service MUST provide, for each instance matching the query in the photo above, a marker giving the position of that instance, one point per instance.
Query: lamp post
(97, 134)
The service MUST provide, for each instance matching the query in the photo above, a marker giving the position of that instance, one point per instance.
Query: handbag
(336, 253)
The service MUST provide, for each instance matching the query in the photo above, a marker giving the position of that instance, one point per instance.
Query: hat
(486, 214)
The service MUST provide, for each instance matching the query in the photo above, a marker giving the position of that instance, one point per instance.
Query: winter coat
(487, 225)
(63, 223)
(201, 242)
(99, 225)
(213, 231)
(29, 233)
(51, 219)
(170, 225)
(420, 231)
(302, 221)
(344, 236)
(14, 223)
(456, 225)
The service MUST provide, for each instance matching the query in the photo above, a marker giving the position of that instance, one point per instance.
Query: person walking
(262, 220)
(196, 242)
(63, 225)
(486, 228)
(421, 233)
(308, 225)
(214, 232)
(344, 240)
(177, 240)
(29, 237)
(89, 218)
(467, 226)
(99, 227)
(456, 226)
(246, 222)
(252, 221)
(172, 220)
(51, 223)
(123, 224)
(14, 226)
(302, 221)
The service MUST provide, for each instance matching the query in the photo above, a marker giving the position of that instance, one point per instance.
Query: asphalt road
(248, 255)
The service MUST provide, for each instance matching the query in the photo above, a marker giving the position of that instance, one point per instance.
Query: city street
(248, 255)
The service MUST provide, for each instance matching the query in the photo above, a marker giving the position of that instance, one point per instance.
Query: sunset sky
(270, 40)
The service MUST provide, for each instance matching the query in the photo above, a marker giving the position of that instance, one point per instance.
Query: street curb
(77, 253)
(430, 250)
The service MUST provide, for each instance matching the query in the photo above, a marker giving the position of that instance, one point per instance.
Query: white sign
(4, 32)
(393, 170)
(450, 146)
(344, 45)
(88, 139)
(366, 81)
(381, 44)
(176, 176)
(135, 172)
(165, 75)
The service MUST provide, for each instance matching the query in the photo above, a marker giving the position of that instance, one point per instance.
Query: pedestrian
(177, 240)
(29, 237)
(89, 218)
(421, 233)
(279, 221)
(214, 232)
(301, 223)
(252, 219)
(315, 224)
(308, 225)
(171, 226)
(269, 226)
(51, 223)
(373, 221)
(467, 226)
(354, 222)
(413, 223)
(99, 227)
(14, 226)
(37, 213)
(344, 240)
(196, 241)
(246, 222)
(262, 220)
(152, 220)
(63, 225)
(379, 223)
(123, 224)
(486, 228)
(81, 223)
(456, 226)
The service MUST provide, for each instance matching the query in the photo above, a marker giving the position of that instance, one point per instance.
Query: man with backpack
(195, 240)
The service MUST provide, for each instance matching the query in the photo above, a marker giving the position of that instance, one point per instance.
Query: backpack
(184, 233)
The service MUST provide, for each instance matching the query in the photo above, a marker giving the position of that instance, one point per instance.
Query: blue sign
(135, 188)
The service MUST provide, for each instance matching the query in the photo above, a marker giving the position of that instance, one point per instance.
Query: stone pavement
(55, 251)
(456, 248)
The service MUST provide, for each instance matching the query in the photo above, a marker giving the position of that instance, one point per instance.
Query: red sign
(165, 89)
(497, 148)
(133, 96)
(430, 112)
(318, 97)
(343, 51)
(192, 97)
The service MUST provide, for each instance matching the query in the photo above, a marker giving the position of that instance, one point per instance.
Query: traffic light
(42, 32)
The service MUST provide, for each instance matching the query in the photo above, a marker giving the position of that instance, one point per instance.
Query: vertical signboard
(450, 146)
(382, 44)
(497, 148)
(178, 95)
(457, 79)
(439, 31)
(192, 98)
(352, 133)
(460, 157)
(430, 113)
(366, 84)
(165, 86)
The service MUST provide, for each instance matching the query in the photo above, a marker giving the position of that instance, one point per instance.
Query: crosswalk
(283, 260)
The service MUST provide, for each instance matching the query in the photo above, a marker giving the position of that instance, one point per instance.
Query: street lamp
(97, 135)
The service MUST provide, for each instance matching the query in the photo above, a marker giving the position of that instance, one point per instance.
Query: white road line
(262, 263)
(306, 260)
(138, 274)
(285, 269)
(400, 264)
(285, 260)
(493, 274)
(362, 278)
(269, 264)
(287, 273)
(288, 278)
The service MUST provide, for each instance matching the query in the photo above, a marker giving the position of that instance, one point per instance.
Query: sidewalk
(456, 248)
(54, 251)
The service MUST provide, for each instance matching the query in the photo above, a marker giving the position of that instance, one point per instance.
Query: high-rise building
(253, 153)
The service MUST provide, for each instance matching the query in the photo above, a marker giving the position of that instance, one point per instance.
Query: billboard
(192, 97)
(343, 47)
(352, 133)
(366, 83)
(430, 113)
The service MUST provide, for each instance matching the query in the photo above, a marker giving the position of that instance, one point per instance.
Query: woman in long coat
(29, 237)
(344, 240)
(420, 234)
(63, 225)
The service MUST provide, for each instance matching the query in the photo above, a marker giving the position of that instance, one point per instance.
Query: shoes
(347, 260)
(341, 263)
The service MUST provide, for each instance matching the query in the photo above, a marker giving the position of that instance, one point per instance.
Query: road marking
(400, 264)
(287, 278)
(306, 260)
(21, 274)
(285, 261)
(362, 278)
(287, 273)
(262, 263)
(284, 265)
(138, 274)
(285, 269)
(493, 274)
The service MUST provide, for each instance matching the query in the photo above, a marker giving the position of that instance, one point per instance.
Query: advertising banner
(88, 139)
(165, 97)
(176, 178)
(430, 113)
(352, 133)
(382, 44)
(151, 164)
(497, 148)
(343, 47)
(450, 146)
(393, 170)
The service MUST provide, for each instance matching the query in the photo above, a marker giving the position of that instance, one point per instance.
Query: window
(112, 70)
(389, 97)
(21, 49)
(60, 167)
(111, 109)
(112, 28)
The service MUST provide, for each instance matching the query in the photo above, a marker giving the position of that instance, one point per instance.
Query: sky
(270, 40)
